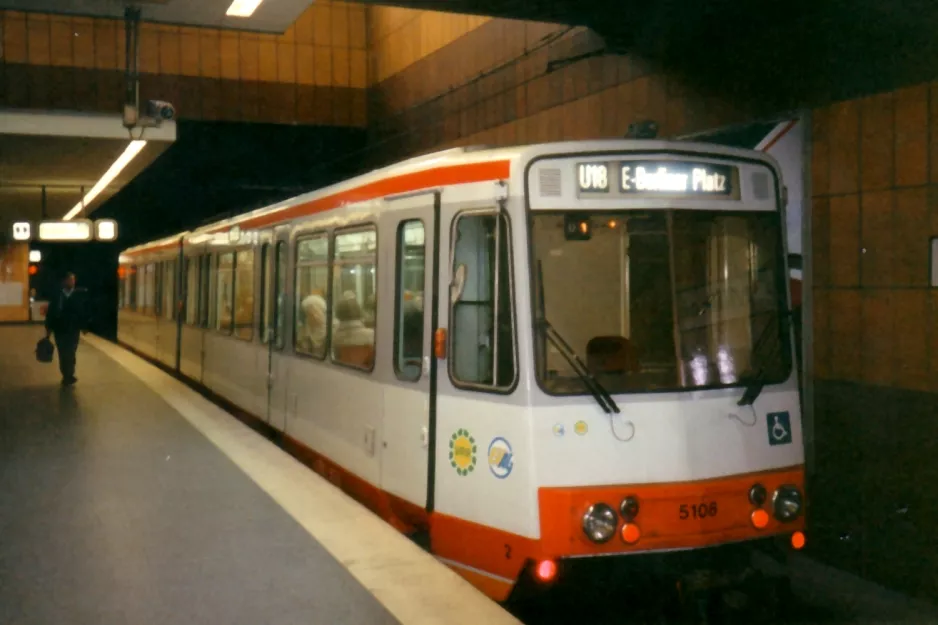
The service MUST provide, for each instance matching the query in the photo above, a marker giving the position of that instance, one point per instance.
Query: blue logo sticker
(501, 459)
(779, 426)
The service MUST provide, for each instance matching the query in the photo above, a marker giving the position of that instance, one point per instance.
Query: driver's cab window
(481, 316)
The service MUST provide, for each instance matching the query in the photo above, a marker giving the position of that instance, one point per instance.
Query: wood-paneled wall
(492, 85)
(875, 207)
(400, 37)
(316, 72)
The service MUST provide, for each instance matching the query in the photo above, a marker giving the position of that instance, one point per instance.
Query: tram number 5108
(697, 510)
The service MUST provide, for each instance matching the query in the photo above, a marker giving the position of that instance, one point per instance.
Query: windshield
(661, 300)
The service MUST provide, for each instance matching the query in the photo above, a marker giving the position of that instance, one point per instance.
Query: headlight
(787, 503)
(599, 523)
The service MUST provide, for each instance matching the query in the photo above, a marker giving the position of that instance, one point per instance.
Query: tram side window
(224, 292)
(192, 290)
(149, 292)
(169, 289)
(354, 298)
(265, 292)
(205, 283)
(409, 304)
(132, 288)
(158, 289)
(244, 295)
(141, 303)
(482, 330)
(312, 292)
(280, 278)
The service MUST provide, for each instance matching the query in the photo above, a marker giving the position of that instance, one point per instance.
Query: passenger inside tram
(353, 343)
(369, 311)
(312, 333)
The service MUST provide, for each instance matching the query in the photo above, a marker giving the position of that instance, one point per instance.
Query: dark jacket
(68, 315)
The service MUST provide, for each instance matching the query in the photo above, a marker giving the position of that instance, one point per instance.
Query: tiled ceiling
(272, 16)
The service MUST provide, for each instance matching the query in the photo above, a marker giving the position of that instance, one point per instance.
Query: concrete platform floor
(116, 509)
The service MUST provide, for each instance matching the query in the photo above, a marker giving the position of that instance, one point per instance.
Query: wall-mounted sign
(74, 230)
(105, 230)
(676, 177)
(22, 231)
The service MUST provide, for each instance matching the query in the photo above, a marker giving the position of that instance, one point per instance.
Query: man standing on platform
(67, 319)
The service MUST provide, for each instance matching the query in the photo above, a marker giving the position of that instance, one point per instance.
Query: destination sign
(676, 177)
(593, 177)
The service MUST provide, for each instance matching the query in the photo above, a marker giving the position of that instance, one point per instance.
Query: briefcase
(45, 350)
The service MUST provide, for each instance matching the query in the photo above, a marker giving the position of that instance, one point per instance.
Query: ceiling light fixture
(123, 160)
(243, 8)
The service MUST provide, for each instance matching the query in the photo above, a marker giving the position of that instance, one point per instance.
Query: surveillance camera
(645, 129)
(163, 111)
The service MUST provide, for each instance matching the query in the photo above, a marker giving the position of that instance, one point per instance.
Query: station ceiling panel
(270, 16)
(50, 162)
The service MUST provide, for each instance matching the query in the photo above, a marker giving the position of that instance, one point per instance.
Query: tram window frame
(333, 274)
(243, 332)
(509, 272)
(399, 329)
(279, 282)
(299, 297)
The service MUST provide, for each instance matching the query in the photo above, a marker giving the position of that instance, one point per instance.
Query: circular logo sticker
(581, 428)
(462, 452)
(501, 460)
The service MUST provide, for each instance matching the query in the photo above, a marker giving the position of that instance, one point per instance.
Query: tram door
(275, 308)
(409, 242)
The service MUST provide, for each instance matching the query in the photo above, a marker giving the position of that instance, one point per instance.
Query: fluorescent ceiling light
(123, 160)
(243, 8)
(79, 230)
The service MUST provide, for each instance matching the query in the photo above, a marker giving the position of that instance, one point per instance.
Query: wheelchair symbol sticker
(779, 426)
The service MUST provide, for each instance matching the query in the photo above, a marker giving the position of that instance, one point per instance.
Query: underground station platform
(130, 498)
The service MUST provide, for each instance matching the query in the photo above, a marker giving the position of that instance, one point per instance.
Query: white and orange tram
(533, 356)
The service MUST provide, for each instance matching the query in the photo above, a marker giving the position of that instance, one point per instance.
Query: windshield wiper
(602, 396)
(756, 382)
(754, 385)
